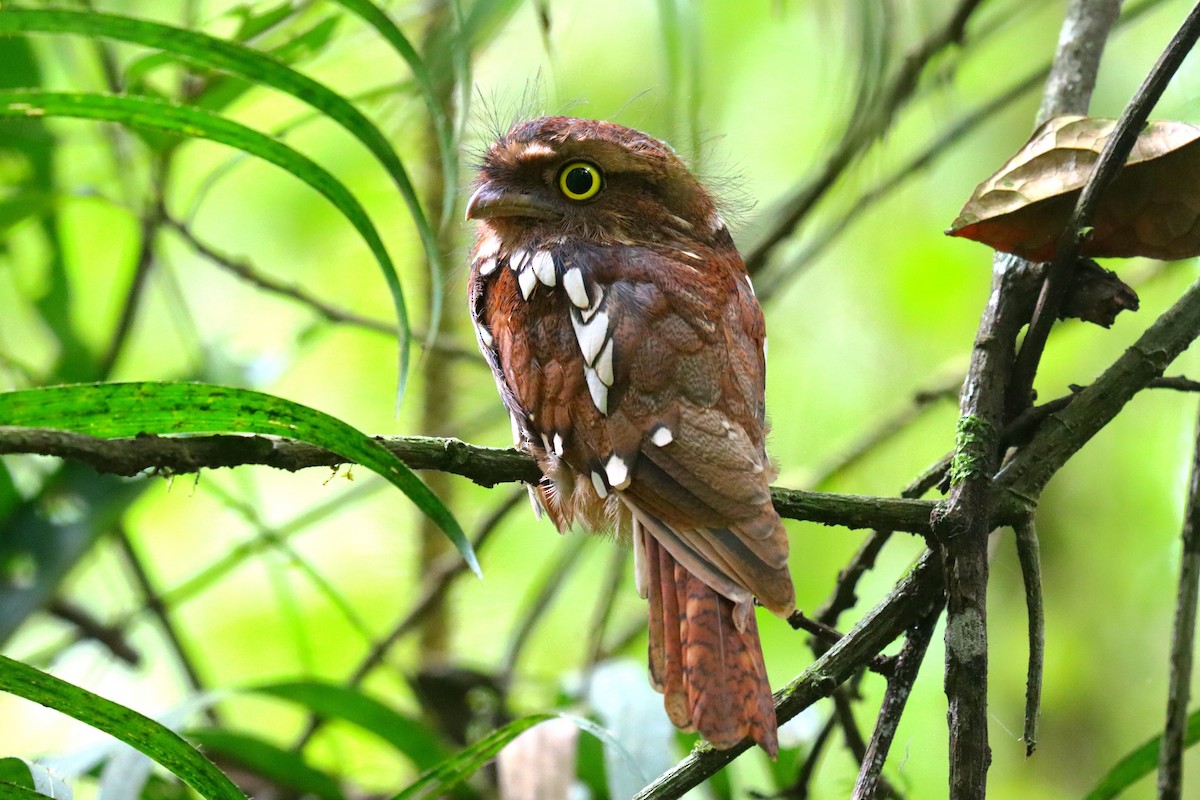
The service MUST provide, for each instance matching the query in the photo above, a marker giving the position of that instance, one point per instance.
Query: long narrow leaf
(219, 54)
(136, 730)
(283, 768)
(11, 791)
(1140, 762)
(189, 121)
(351, 705)
(445, 776)
(378, 19)
(117, 410)
(29, 775)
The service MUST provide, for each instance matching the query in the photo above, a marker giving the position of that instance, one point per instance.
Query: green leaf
(118, 410)
(445, 776)
(31, 141)
(219, 54)
(16, 771)
(378, 19)
(1140, 762)
(333, 701)
(256, 22)
(140, 732)
(11, 791)
(161, 115)
(282, 768)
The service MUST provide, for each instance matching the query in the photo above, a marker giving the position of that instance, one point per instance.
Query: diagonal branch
(962, 525)
(909, 602)
(1108, 166)
(795, 207)
(1183, 641)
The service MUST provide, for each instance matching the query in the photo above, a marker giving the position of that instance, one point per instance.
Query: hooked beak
(490, 201)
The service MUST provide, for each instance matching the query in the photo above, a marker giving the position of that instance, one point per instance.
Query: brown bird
(624, 335)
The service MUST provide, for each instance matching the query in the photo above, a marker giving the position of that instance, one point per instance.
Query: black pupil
(579, 180)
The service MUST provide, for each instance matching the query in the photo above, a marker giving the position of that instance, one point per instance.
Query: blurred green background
(269, 576)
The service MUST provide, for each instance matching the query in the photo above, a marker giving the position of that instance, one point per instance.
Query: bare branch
(795, 207)
(909, 602)
(963, 525)
(1183, 639)
(908, 663)
(1094, 25)
(1028, 553)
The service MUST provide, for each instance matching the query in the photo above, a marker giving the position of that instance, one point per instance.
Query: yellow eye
(580, 180)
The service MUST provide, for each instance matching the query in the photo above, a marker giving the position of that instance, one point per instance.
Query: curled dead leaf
(1152, 209)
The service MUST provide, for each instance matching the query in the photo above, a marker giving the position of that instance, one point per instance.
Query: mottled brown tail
(711, 674)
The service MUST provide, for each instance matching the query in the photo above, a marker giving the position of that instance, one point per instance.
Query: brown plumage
(628, 347)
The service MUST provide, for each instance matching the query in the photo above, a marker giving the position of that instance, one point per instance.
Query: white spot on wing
(716, 222)
(485, 336)
(558, 444)
(517, 260)
(573, 283)
(598, 485)
(587, 313)
(543, 267)
(662, 436)
(617, 471)
(597, 389)
(591, 335)
(487, 266)
(527, 280)
(604, 364)
(750, 283)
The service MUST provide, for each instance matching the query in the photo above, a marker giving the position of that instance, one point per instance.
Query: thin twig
(1028, 553)
(444, 572)
(801, 622)
(845, 596)
(885, 430)
(154, 603)
(605, 602)
(796, 206)
(152, 220)
(1183, 639)
(111, 637)
(900, 684)
(325, 310)
(1112, 158)
(539, 605)
(1091, 408)
(799, 790)
(774, 279)
(963, 524)
(904, 606)
(292, 291)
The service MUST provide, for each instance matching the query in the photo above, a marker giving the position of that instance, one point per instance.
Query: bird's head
(565, 179)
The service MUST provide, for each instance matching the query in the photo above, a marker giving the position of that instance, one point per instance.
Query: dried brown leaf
(1152, 208)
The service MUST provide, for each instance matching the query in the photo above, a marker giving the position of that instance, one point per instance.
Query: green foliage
(1140, 762)
(120, 722)
(116, 410)
(145, 273)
